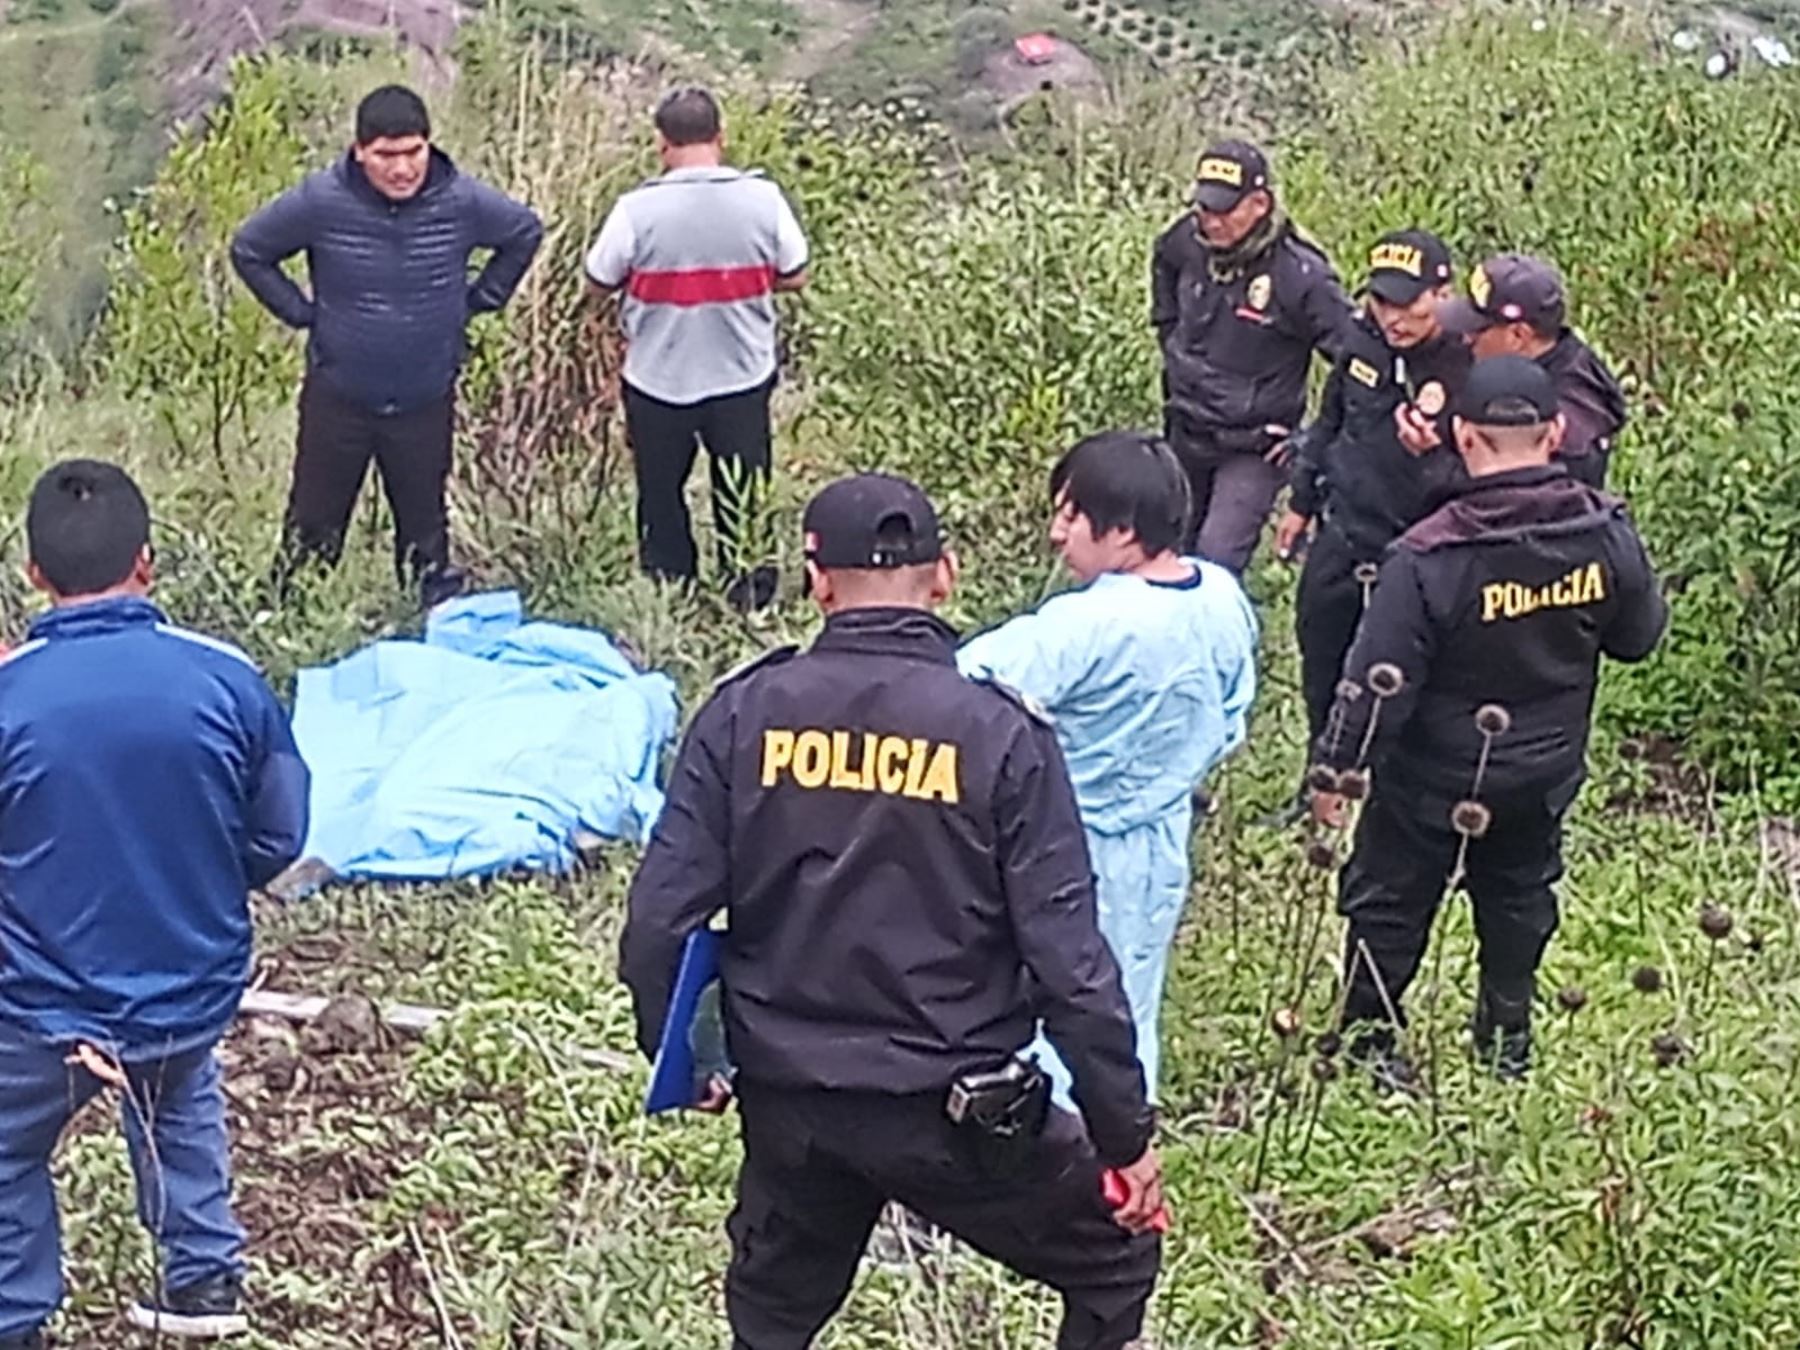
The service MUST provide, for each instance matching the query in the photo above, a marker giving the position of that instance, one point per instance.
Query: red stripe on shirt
(702, 285)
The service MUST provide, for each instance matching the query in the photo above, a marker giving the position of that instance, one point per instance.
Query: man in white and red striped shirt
(699, 254)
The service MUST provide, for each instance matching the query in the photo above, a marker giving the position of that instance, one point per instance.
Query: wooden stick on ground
(411, 1018)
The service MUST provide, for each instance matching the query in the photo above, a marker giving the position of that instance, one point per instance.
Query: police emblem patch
(1431, 399)
(1480, 287)
(1259, 292)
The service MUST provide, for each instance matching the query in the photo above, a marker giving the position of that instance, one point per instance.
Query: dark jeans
(1233, 491)
(819, 1166)
(175, 1133)
(664, 438)
(1327, 608)
(411, 451)
(1391, 888)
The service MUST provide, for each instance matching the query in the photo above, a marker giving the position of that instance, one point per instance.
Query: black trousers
(1233, 493)
(664, 438)
(1327, 607)
(411, 451)
(1391, 888)
(819, 1166)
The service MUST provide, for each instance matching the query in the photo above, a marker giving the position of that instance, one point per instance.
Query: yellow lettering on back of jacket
(861, 761)
(1514, 600)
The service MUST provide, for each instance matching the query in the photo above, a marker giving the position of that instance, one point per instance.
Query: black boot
(753, 590)
(1502, 1028)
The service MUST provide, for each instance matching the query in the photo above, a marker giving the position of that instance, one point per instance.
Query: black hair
(688, 116)
(86, 525)
(1131, 480)
(391, 111)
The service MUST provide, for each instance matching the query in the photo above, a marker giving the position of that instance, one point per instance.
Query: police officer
(1471, 686)
(1354, 482)
(1517, 306)
(1240, 301)
(908, 890)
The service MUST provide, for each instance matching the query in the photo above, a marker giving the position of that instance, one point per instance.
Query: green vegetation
(491, 1189)
(80, 97)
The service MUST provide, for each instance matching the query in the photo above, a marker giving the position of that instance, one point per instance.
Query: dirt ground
(321, 1131)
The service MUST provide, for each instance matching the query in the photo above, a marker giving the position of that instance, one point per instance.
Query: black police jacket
(1507, 594)
(1236, 353)
(1592, 404)
(1350, 467)
(908, 888)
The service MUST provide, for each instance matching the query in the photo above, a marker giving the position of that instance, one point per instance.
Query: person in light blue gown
(1147, 670)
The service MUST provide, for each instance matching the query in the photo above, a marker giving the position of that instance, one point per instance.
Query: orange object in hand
(1113, 1191)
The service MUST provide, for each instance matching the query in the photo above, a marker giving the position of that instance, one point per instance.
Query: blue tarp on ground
(487, 746)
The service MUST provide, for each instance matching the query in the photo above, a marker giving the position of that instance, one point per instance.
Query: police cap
(1507, 391)
(1228, 172)
(871, 520)
(1404, 264)
(1510, 288)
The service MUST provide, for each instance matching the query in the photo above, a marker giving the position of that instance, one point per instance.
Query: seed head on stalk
(1647, 980)
(1329, 1043)
(1321, 855)
(1386, 679)
(1572, 998)
(1471, 819)
(1715, 922)
(1493, 720)
(1668, 1048)
(1324, 1070)
(1285, 1023)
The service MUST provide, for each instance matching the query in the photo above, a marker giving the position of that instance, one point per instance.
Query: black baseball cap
(1229, 171)
(1404, 264)
(871, 520)
(1510, 288)
(1508, 391)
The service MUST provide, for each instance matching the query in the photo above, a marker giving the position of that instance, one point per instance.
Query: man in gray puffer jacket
(387, 232)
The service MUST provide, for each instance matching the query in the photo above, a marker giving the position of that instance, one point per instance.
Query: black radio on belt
(1002, 1111)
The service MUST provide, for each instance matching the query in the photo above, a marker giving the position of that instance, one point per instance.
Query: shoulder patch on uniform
(1364, 373)
(1018, 697)
(773, 657)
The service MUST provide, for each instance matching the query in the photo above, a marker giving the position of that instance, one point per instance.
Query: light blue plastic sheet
(487, 746)
(1149, 688)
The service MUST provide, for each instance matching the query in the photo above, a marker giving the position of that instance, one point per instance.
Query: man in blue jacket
(148, 781)
(387, 232)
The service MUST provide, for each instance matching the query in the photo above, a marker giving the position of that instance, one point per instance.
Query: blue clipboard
(693, 1038)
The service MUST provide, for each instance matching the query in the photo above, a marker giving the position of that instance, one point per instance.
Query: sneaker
(26, 1340)
(205, 1311)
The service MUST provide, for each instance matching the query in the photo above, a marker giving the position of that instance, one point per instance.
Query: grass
(486, 1181)
(80, 94)
(488, 1188)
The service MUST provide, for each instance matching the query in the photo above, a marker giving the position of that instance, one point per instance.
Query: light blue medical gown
(1149, 686)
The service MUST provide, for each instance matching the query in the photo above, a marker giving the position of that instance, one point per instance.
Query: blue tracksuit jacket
(148, 780)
